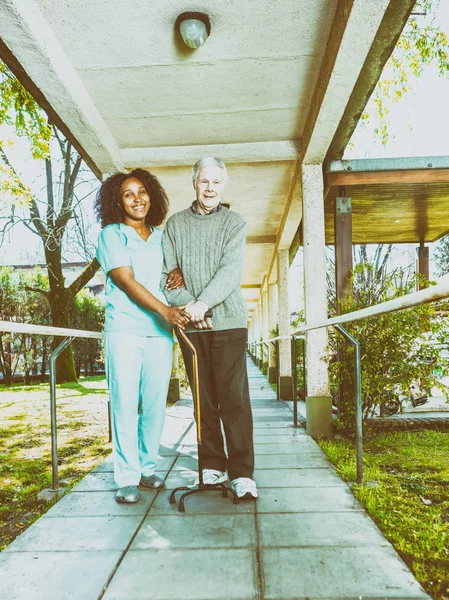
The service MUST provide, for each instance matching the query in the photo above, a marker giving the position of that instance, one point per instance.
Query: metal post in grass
(278, 375)
(358, 399)
(294, 383)
(304, 378)
(268, 356)
(54, 442)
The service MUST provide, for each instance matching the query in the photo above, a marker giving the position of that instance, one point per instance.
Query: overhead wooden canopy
(402, 200)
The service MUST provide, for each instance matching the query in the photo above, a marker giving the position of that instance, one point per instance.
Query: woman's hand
(175, 315)
(175, 280)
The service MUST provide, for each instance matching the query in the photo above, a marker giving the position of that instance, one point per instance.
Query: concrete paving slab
(99, 504)
(164, 463)
(188, 450)
(269, 411)
(183, 463)
(277, 439)
(297, 478)
(280, 418)
(319, 529)
(207, 503)
(273, 423)
(107, 462)
(212, 574)
(178, 478)
(166, 451)
(96, 482)
(76, 534)
(305, 444)
(304, 460)
(195, 531)
(300, 500)
(190, 438)
(103, 482)
(290, 430)
(300, 573)
(55, 575)
(285, 433)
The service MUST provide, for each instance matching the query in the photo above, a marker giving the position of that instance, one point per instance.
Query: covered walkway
(305, 537)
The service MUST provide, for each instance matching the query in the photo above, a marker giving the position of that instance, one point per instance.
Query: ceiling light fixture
(194, 28)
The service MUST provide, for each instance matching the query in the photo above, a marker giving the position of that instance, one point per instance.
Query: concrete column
(343, 274)
(264, 304)
(265, 334)
(318, 402)
(422, 264)
(285, 360)
(174, 390)
(259, 329)
(272, 315)
(343, 248)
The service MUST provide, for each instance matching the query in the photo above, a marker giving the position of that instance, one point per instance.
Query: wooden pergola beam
(348, 178)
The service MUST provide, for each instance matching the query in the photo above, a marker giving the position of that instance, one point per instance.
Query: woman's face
(135, 200)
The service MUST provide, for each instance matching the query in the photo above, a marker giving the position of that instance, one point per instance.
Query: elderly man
(207, 242)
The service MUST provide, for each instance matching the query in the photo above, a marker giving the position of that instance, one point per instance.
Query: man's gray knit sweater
(209, 250)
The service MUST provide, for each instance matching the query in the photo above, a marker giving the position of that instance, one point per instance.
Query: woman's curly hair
(108, 203)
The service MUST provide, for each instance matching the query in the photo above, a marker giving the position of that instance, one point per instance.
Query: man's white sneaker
(212, 476)
(245, 488)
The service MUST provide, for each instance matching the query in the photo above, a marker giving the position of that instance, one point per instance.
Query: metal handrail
(69, 335)
(430, 294)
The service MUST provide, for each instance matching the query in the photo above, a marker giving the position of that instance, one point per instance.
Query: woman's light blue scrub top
(119, 245)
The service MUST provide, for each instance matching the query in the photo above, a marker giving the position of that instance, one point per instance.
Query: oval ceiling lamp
(194, 28)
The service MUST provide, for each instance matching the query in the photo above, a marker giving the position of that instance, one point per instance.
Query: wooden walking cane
(201, 487)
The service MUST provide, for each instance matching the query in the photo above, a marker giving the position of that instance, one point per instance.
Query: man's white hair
(208, 161)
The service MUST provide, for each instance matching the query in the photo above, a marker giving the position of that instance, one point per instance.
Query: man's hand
(196, 309)
(206, 324)
(175, 280)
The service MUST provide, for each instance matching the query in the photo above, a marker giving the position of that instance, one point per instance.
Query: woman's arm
(123, 277)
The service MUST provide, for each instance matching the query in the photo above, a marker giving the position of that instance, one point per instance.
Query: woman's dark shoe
(153, 482)
(128, 494)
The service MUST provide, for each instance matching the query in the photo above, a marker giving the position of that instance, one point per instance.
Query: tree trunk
(65, 364)
(59, 309)
(5, 352)
(44, 361)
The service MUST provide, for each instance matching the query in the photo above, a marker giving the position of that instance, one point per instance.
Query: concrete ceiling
(250, 82)
(268, 90)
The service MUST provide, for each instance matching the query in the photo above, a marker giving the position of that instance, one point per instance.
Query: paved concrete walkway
(305, 537)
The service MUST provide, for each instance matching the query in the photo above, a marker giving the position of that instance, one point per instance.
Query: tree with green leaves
(46, 213)
(87, 313)
(422, 44)
(441, 256)
(393, 345)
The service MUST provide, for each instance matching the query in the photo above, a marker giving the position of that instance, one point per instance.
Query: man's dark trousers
(224, 394)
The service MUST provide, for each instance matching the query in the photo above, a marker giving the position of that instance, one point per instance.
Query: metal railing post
(304, 380)
(278, 375)
(294, 382)
(358, 398)
(265, 345)
(54, 443)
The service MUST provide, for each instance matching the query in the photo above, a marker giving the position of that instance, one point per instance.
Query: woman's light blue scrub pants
(138, 370)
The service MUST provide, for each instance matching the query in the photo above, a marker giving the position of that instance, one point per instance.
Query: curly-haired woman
(138, 324)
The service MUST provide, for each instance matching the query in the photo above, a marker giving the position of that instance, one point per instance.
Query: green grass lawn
(25, 467)
(410, 501)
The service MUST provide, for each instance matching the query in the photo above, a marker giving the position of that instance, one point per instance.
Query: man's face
(209, 187)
